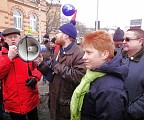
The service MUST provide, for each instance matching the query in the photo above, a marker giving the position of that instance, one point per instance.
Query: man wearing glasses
(133, 46)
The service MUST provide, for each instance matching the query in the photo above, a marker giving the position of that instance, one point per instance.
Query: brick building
(26, 15)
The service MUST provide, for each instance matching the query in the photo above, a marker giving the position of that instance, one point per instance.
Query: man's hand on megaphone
(38, 60)
(12, 53)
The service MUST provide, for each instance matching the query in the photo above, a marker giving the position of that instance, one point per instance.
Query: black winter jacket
(107, 97)
(135, 85)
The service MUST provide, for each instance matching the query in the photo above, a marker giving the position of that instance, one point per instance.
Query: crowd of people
(100, 79)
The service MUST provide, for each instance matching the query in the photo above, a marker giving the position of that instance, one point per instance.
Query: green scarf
(80, 91)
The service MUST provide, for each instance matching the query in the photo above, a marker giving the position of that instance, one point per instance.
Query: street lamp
(39, 8)
(96, 27)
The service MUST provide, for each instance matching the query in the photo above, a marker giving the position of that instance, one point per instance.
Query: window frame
(33, 22)
(17, 19)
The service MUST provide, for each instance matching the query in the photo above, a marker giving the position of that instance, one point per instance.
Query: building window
(17, 19)
(33, 22)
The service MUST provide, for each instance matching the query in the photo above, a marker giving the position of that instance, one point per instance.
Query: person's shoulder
(77, 49)
(4, 50)
(77, 46)
(109, 81)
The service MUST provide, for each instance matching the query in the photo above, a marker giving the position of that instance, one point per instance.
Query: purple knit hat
(69, 28)
(118, 35)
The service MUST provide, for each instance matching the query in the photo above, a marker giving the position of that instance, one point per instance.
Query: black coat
(107, 98)
(135, 86)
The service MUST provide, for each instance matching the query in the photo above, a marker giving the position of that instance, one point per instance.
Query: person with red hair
(101, 94)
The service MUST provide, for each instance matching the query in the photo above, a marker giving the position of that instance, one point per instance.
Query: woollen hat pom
(118, 35)
(69, 28)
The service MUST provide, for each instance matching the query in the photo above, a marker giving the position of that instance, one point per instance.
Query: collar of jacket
(4, 50)
(138, 55)
(66, 50)
(135, 57)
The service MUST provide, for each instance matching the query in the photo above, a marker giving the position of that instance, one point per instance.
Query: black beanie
(118, 35)
(46, 36)
(53, 39)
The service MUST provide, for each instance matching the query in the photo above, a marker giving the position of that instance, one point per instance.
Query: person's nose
(124, 42)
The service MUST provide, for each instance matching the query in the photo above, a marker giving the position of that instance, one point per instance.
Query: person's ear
(66, 36)
(141, 41)
(105, 54)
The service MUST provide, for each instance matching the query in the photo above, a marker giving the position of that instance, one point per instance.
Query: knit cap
(53, 39)
(46, 36)
(118, 35)
(69, 28)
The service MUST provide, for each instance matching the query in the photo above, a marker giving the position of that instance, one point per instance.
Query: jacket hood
(116, 66)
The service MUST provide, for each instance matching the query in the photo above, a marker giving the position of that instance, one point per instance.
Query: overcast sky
(111, 12)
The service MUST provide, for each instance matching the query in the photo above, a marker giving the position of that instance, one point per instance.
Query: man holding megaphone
(19, 79)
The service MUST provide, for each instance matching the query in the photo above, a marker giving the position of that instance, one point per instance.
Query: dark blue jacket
(135, 85)
(107, 98)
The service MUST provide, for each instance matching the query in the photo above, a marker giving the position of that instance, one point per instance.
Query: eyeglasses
(128, 39)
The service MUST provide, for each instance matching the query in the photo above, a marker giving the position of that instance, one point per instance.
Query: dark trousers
(32, 115)
(1, 105)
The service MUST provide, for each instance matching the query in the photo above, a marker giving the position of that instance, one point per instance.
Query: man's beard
(59, 42)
